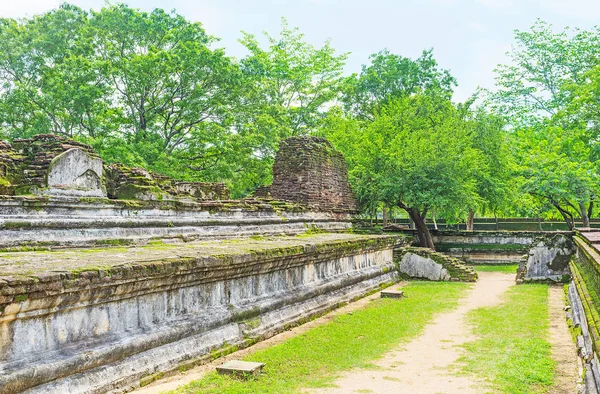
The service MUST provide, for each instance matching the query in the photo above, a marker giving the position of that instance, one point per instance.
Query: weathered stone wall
(583, 296)
(91, 329)
(542, 256)
(38, 222)
(309, 171)
(548, 259)
(25, 165)
(127, 183)
(423, 263)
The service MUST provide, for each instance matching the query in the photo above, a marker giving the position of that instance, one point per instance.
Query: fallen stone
(237, 367)
(392, 294)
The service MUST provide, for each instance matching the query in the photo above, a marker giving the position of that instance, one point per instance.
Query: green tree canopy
(416, 154)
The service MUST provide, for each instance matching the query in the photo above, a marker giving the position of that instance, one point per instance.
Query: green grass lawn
(512, 351)
(315, 358)
(508, 268)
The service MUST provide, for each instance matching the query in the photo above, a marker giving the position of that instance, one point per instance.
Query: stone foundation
(583, 293)
(93, 321)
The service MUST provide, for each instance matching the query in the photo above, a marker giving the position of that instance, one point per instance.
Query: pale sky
(469, 37)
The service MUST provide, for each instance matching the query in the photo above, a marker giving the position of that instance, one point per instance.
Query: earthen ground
(426, 364)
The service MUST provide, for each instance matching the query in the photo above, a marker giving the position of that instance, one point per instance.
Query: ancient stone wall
(155, 289)
(139, 184)
(95, 322)
(29, 222)
(26, 164)
(584, 315)
(309, 171)
(423, 263)
(542, 256)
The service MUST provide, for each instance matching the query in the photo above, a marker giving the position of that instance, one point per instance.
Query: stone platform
(95, 320)
(37, 222)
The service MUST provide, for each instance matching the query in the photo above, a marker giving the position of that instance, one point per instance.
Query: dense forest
(154, 90)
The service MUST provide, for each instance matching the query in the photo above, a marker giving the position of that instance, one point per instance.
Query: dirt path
(422, 366)
(564, 352)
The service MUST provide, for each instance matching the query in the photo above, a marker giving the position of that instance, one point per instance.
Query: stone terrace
(73, 262)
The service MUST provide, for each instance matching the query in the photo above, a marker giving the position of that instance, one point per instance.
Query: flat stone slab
(392, 294)
(234, 367)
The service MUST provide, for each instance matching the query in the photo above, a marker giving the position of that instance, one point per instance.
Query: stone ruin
(51, 165)
(309, 171)
(147, 280)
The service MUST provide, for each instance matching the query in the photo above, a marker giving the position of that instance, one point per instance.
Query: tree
(546, 94)
(492, 173)
(50, 78)
(391, 77)
(416, 154)
(172, 92)
(288, 84)
(530, 88)
(555, 166)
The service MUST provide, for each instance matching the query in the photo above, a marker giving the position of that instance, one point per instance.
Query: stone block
(391, 293)
(75, 173)
(237, 367)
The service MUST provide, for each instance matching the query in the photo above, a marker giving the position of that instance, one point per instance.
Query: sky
(469, 37)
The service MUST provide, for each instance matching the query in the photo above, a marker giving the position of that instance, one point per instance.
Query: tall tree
(416, 154)
(530, 87)
(288, 86)
(389, 77)
(50, 78)
(492, 173)
(171, 89)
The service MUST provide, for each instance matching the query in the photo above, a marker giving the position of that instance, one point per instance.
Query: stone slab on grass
(391, 293)
(237, 367)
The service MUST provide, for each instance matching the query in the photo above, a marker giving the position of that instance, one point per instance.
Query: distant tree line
(154, 90)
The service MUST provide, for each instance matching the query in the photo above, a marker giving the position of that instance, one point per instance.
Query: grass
(508, 268)
(512, 352)
(316, 357)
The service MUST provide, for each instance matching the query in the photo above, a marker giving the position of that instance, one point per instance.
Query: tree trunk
(590, 210)
(566, 216)
(385, 216)
(497, 223)
(425, 237)
(584, 215)
(470, 220)
(434, 222)
(411, 224)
